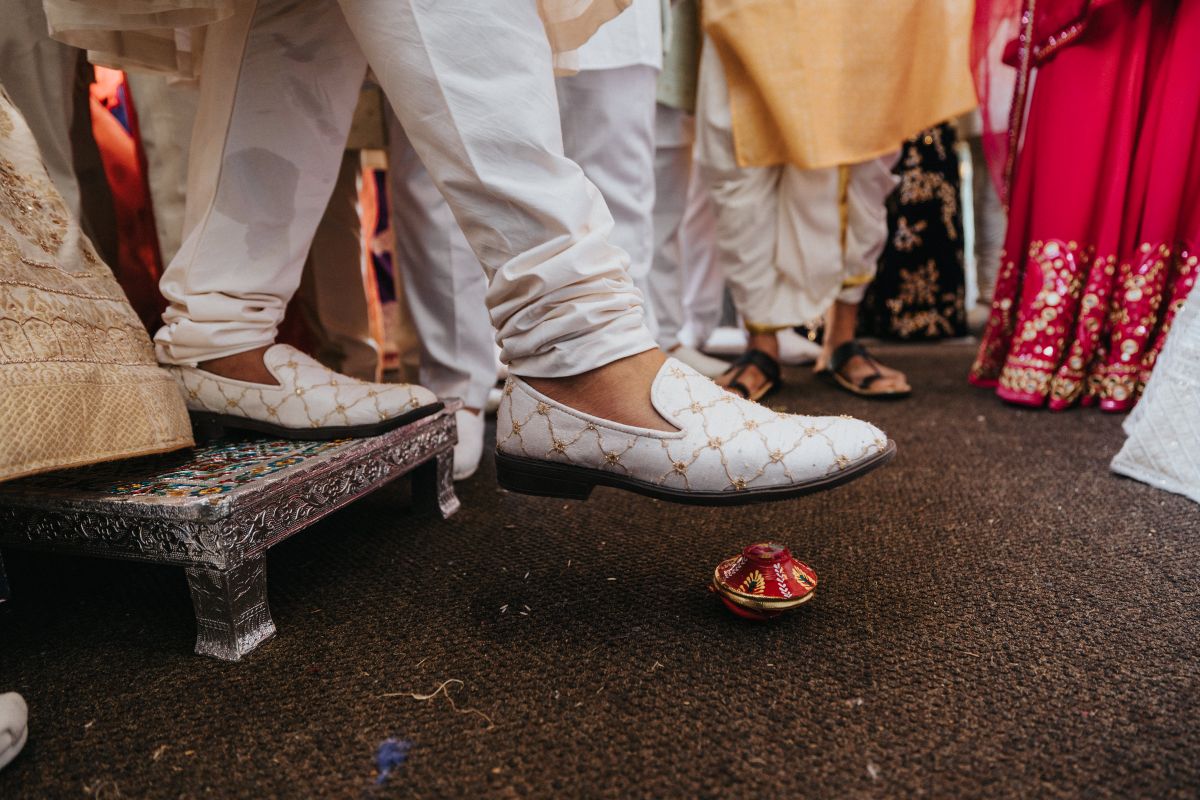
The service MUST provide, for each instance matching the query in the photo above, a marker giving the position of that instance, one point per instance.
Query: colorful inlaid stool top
(216, 509)
(204, 471)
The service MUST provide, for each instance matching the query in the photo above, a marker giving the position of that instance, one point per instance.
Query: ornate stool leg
(433, 484)
(232, 617)
(5, 592)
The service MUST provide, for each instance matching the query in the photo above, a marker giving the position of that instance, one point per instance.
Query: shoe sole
(567, 481)
(207, 426)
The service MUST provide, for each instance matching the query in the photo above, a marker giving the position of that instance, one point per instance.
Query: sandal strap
(765, 364)
(842, 355)
(740, 388)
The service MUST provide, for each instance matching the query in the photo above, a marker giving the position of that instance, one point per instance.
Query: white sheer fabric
(1163, 448)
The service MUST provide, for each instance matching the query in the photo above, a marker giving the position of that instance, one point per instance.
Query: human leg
(608, 125)
(446, 293)
(281, 80)
(332, 292)
(674, 132)
(866, 188)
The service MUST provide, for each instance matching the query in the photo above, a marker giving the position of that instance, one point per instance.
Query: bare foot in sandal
(849, 364)
(755, 374)
(853, 368)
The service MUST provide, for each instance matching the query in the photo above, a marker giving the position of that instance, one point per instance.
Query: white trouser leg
(472, 84)
(608, 121)
(443, 284)
(165, 124)
(703, 283)
(281, 82)
(868, 185)
(332, 291)
(672, 169)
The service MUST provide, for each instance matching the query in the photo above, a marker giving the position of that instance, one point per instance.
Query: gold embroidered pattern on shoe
(308, 395)
(746, 443)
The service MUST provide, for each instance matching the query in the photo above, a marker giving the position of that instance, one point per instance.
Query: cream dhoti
(780, 229)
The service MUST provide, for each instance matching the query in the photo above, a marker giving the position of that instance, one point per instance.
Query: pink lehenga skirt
(1104, 215)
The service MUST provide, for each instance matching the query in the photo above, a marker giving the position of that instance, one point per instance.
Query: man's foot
(249, 366)
(14, 715)
(763, 372)
(754, 380)
(849, 364)
(713, 447)
(469, 449)
(854, 369)
(618, 392)
(283, 392)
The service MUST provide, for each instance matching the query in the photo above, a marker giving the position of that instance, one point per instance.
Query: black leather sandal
(841, 356)
(765, 364)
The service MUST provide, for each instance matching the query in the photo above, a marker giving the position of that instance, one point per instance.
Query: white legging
(472, 84)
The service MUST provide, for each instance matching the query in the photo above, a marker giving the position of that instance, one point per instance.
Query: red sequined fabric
(1104, 212)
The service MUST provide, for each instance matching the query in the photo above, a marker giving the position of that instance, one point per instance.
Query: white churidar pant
(331, 295)
(781, 243)
(472, 85)
(686, 289)
(443, 285)
(608, 129)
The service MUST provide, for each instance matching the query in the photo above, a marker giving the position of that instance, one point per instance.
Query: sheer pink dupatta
(1010, 38)
(997, 26)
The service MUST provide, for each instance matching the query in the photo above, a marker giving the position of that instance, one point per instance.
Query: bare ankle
(766, 342)
(247, 366)
(617, 392)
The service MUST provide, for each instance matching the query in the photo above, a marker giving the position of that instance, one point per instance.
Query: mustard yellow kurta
(817, 83)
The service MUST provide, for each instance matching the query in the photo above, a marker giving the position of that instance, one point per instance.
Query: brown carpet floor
(999, 616)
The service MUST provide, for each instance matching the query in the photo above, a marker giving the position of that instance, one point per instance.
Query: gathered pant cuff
(184, 342)
(625, 336)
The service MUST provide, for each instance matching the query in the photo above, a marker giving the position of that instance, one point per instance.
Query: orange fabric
(139, 265)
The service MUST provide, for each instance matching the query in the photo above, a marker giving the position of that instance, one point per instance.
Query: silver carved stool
(216, 509)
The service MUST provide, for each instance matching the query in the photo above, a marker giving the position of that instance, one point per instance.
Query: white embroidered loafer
(726, 451)
(310, 402)
(13, 730)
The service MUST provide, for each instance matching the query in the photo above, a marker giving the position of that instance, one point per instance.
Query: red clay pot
(763, 582)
